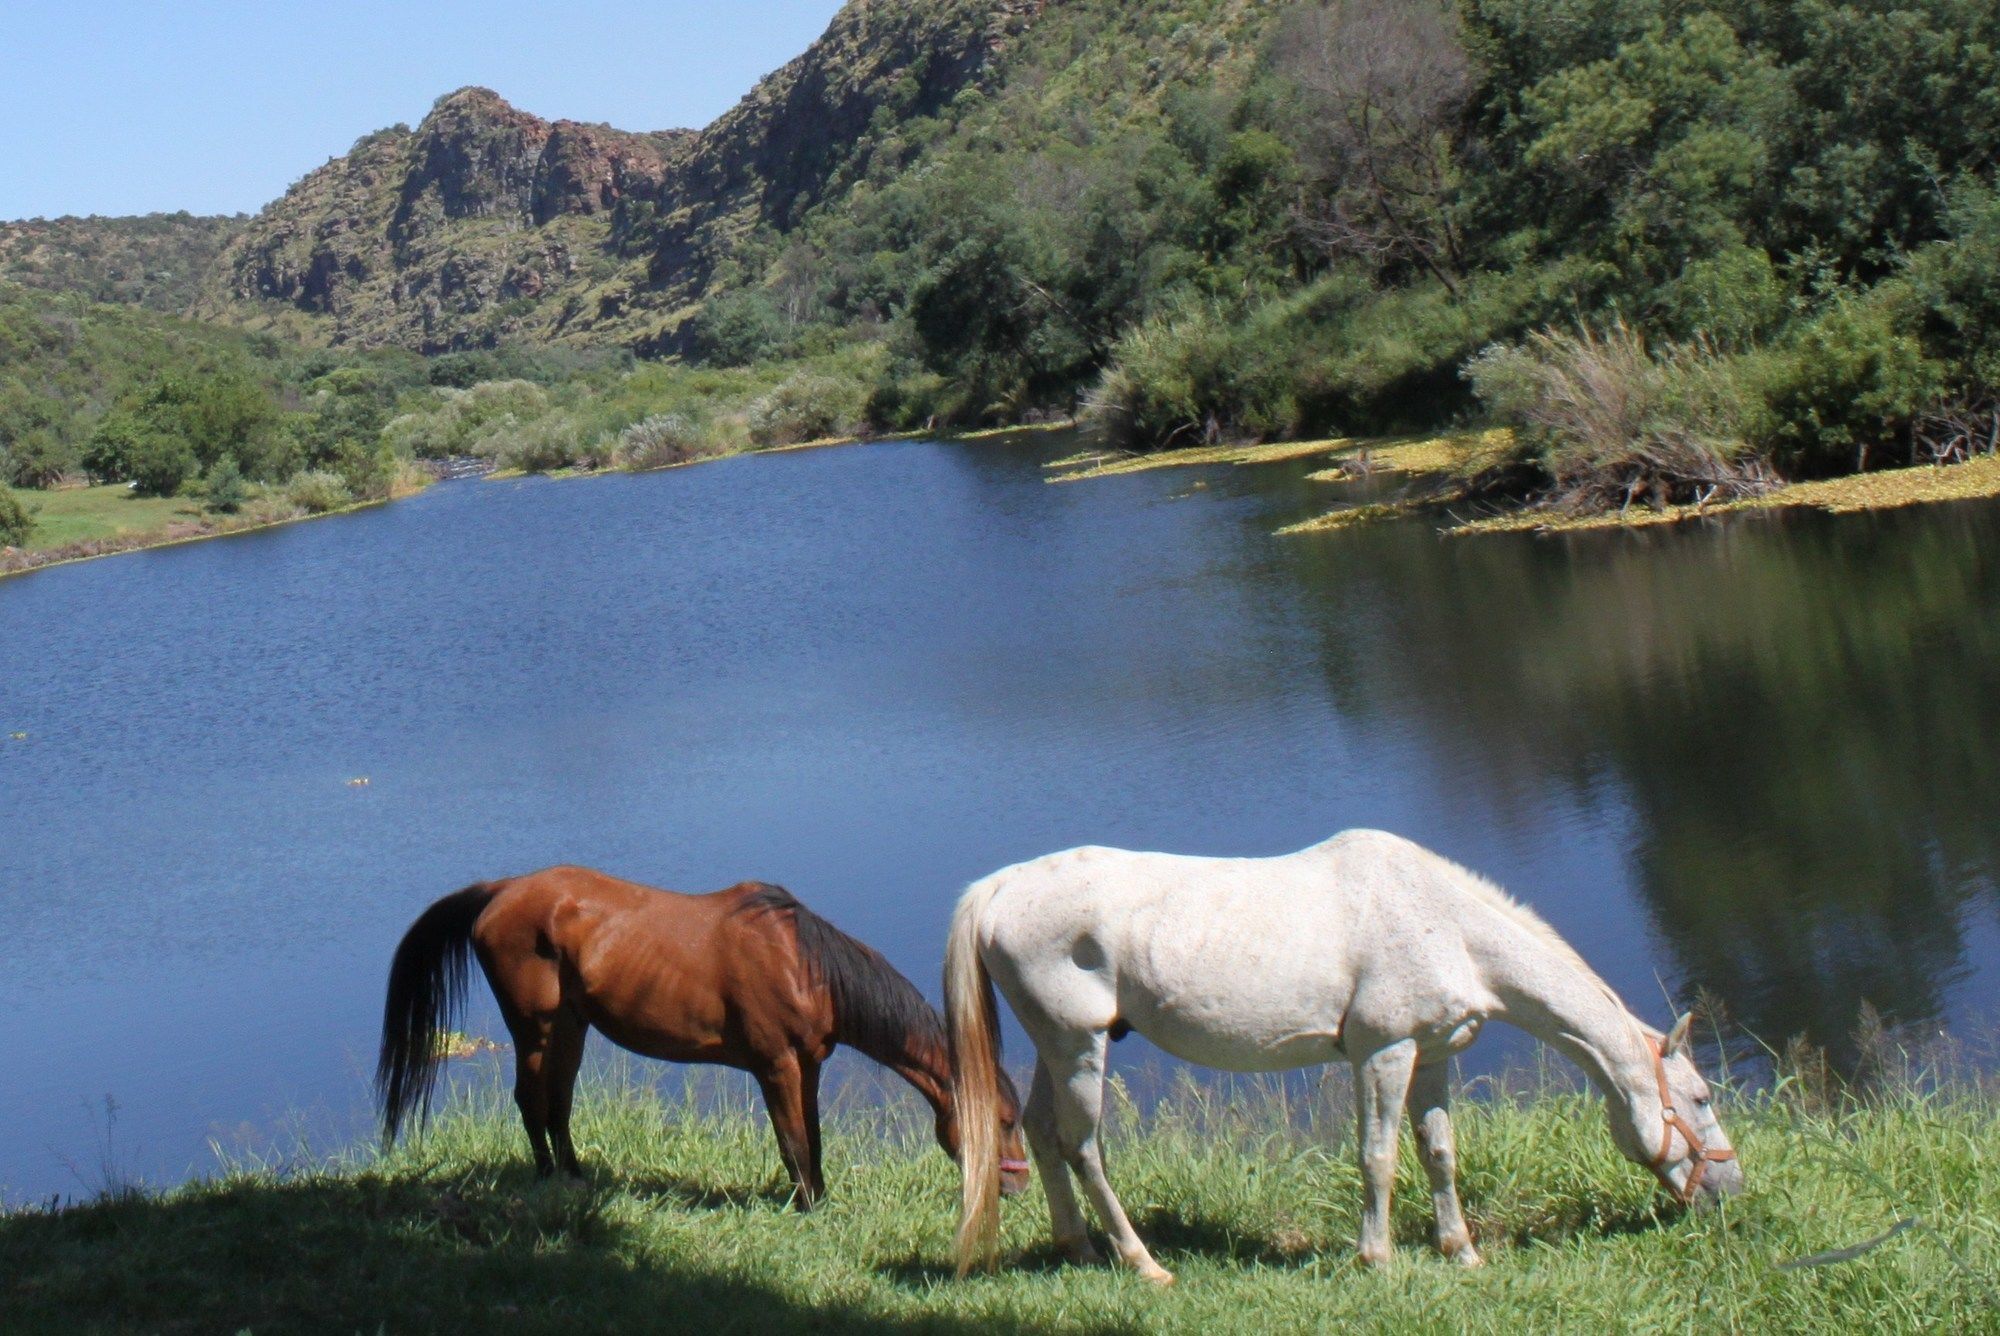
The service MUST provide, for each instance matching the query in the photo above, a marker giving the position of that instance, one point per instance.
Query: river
(1755, 759)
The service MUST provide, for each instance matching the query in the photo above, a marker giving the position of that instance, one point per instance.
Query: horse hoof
(1468, 1257)
(1082, 1253)
(1159, 1276)
(1375, 1258)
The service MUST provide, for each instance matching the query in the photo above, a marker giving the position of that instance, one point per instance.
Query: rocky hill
(487, 224)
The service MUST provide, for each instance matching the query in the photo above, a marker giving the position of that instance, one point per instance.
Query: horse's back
(1243, 963)
(662, 972)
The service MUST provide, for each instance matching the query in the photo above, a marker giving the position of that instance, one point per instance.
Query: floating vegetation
(453, 1044)
(1105, 464)
(1887, 489)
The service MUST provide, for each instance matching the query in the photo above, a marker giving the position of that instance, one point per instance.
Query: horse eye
(1701, 1101)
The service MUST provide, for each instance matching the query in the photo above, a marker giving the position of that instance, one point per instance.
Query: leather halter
(1672, 1122)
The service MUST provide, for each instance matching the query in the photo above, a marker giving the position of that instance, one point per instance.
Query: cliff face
(487, 224)
(445, 236)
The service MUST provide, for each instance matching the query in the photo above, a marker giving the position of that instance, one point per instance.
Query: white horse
(1366, 947)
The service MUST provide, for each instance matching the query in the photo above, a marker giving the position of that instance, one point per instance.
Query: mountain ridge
(487, 224)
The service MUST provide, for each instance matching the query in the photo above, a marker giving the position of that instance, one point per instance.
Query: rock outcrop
(486, 223)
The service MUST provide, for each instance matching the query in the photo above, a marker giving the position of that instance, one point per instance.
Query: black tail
(426, 996)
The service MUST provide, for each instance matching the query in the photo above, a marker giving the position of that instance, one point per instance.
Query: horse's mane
(875, 1009)
(1489, 894)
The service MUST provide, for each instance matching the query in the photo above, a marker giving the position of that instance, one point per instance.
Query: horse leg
(1384, 1078)
(1038, 1120)
(1078, 1087)
(1430, 1119)
(784, 1100)
(809, 1109)
(564, 1058)
(531, 1093)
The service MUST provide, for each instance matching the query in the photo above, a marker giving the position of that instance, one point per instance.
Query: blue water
(1753, 759)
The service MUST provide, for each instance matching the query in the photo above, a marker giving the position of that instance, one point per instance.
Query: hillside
(158, 260)
(487, 224)
(1691, 251)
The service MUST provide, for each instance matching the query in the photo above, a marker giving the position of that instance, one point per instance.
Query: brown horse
(747, 977)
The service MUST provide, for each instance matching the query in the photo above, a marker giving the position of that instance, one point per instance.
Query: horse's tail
(426, 996)
(975, 1080)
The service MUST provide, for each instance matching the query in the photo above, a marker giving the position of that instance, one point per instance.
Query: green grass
(85, 514)
(683, 1225)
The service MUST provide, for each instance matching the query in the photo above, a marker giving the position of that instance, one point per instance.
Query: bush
(1851, 382)
(108, 456)
(367, 472)
(158, 464)
(223, 487)
(735, 329)
(37, 458)
(317, 491)
(15, 521)
(664, 439)
(1187, 379)
(807, 407)
(1610, 421)
(549, 442)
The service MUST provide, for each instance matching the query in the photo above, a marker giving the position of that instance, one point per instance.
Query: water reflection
(1800, 713)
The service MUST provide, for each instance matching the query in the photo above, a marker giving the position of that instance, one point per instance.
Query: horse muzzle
(1014, 1176)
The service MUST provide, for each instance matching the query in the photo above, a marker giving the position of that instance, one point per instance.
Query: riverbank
(79, 523)
(1250, 1198)
(1433, 475)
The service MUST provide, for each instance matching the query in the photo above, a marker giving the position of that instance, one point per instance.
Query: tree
(15, 521)
(1385, 83)
(159, 463)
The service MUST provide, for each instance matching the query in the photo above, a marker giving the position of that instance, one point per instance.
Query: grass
(1245, 1192)
(85, 514)
(78, 523)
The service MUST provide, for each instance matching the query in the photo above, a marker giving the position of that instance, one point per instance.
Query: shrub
(108, 456)
(15, 521)
(223, 487)
(1186, 378)
(1609, 420)
(808, 406)
(37, 458)
(664, 439)
(158, 463)
(544, 443)
(1849, 383)
(317, 491)
(368, 473)
(735, 329)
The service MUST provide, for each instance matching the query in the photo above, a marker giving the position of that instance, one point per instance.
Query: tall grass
(1613, 421)
(1246, 1188)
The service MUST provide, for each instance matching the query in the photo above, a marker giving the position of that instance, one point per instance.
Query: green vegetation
(157, 261)
(1687, 251)
(86, 514)
(16, 523)
(1251, 1197)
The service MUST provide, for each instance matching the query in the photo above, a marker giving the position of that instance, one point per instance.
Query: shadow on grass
(368, 1253)
(676, 1191)
(1172, 1235)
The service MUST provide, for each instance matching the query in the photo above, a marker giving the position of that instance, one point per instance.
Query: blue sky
(215, 106)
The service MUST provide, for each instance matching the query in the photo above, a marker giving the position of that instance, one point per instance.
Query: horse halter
(1672, 1122)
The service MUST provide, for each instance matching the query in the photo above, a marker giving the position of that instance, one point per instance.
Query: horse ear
(1677, 1037)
